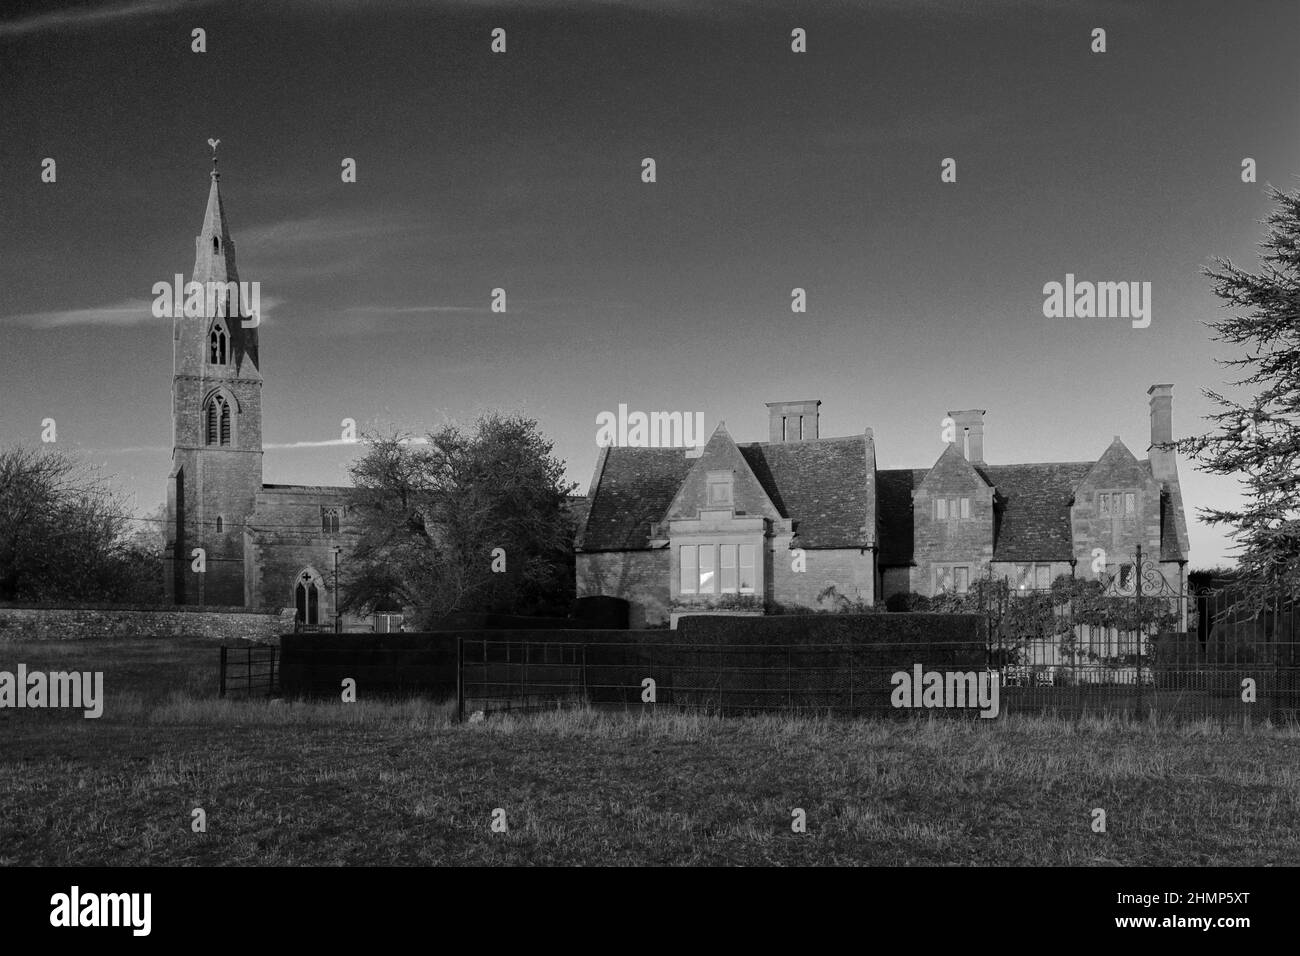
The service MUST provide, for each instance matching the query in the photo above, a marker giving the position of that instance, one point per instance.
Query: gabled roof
(1118, 462)
(1173, 525)
(826, 485)
(630, 493)
(823, 485)
(1036, 510)
(721, 454)
(951, 462)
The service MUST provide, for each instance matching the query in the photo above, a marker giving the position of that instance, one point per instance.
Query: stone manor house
(667, 528)
(673, 529)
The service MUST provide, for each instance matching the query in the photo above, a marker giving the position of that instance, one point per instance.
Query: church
(233, 540)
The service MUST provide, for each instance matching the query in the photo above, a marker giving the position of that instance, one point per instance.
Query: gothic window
(306, 598)
(217, 421)
(218, 346)
(329, 520)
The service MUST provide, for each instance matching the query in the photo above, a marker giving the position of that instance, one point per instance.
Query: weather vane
(213, 143)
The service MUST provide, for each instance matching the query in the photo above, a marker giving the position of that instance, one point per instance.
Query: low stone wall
(64, 623)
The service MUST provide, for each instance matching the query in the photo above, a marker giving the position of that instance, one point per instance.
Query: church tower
(216, 423)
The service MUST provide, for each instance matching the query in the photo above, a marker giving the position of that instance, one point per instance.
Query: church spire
(214, 251)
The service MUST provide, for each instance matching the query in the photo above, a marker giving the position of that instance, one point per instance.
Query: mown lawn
(371, 783)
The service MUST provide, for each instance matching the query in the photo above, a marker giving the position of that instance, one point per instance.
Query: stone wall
(851, 570)
(89, 621)
(642, 578)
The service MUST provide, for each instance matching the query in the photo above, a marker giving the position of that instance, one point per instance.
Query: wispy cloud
(293, 234)
(331, 442)
(130, 312)
(74, 18)
(418, 309)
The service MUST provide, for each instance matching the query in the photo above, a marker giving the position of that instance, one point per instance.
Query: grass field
(380, 783)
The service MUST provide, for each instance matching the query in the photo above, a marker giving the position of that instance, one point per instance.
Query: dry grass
(330, 783)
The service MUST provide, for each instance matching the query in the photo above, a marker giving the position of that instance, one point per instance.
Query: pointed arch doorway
(307, 593)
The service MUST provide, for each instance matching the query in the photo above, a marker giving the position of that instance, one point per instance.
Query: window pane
(941, 508)
(706, 569)
(747, 568)
(689, 572)
(963, 578)
(1130, 502)
(1104, 503)
(943, 578)
(1024, 576)
(965, 507)
(728, 558)
(1043, 576)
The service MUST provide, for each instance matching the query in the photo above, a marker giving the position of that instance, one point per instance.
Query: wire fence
(495, 676)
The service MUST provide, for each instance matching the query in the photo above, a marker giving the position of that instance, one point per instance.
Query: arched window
(217, 421)
(306, 597)
(220, 525)
(217, 346)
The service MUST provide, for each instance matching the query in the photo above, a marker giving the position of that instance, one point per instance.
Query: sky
(522, 170)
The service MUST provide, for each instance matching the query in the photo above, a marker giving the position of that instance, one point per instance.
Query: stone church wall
(66, 623)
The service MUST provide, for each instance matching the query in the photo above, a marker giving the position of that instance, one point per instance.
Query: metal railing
(250, 671)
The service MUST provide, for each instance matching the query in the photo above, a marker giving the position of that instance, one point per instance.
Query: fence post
(852, 678)
(1137, 582)
(460, 679)
(222, 690)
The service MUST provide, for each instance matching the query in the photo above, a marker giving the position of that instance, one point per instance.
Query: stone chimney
(792, 421)
(1164, 467)
(970, 433)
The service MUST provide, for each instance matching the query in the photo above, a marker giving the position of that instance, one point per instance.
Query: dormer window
(218, 346)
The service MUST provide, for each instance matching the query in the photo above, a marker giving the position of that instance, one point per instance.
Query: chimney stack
(1164, 466)
(970, 433)
(792, 421)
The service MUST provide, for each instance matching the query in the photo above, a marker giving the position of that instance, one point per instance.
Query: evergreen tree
(1258, 437)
